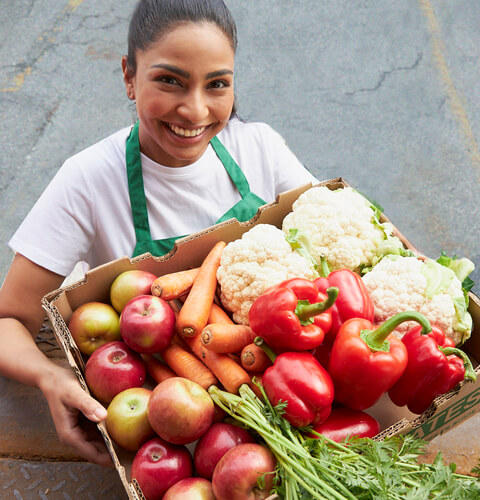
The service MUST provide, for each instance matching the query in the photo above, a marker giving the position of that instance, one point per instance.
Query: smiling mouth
(185, 132)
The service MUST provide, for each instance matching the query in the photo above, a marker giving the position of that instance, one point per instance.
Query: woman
(186, 164)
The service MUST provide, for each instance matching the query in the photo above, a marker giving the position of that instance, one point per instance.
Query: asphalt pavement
(382, 93)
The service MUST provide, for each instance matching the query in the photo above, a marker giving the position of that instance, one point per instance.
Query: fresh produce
(172, 285)
(353, 299)
(211, 447)
(293, 315)
(325, 470)
(147, 324)
(92, 325)
(342, 226)
(190, 488)
(398, 284)
(180, 411)
(434, 367)
(158, 370)
(130, 284)
(365, 361)
(112, 368)
(127, 418)
(262, 257)
(185, 364)
(254, 359)
(300, 382)
(227, 370)
(158, 465)
(226, 338)
(193, 315)
(345, 423)
(245, 472)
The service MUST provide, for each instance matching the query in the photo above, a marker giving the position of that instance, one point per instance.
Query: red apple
(190, 488)
(180, 411)
(157, 465)
(130, 284)
(236, 474)
(211, 447)
(127, 418)
(92, 325)
(147, 324)
(112, 368)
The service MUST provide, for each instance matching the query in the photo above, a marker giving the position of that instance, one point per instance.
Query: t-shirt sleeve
(288, 170)
(58, 231)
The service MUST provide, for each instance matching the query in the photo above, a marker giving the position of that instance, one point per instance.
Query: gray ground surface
(382, 93)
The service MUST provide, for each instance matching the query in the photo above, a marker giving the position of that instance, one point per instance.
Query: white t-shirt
(84, 214)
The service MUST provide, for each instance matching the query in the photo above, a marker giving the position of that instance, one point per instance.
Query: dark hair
(153, 18)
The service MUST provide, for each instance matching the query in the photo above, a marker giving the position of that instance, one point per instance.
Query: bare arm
(21, 317)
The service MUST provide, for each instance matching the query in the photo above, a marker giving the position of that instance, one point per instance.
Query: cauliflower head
(262, 257)
(341, 226)
(399, 284)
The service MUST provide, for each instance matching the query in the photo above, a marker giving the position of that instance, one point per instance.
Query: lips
(186, 132)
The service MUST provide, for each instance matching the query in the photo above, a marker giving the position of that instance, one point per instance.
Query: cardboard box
(447, 412)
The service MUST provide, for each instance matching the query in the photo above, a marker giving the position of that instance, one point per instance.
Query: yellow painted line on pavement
(73, 4)
(455, 100)
(18, 80)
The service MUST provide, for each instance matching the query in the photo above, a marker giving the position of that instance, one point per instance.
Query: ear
(129, 79)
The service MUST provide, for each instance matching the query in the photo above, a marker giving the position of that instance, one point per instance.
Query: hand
(75, 415)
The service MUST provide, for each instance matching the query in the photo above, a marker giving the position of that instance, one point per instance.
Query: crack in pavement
(384, 75)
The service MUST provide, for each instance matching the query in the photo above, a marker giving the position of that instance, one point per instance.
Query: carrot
(254, 359)
(229, 373)
(171, 286)
(193, 315)
(187, 365)
(156, 369)
(223, 337)
(218, 315)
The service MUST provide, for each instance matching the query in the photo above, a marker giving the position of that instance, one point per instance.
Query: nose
(194, 106)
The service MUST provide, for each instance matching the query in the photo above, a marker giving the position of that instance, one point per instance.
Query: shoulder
(101, 156)
(238, 132)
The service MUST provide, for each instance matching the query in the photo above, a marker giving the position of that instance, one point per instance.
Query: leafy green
(300, 243)
(360, 468)
(439, 277)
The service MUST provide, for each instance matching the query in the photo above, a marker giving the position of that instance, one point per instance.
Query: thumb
(92, 409)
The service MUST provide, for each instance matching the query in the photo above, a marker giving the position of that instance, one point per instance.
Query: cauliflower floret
(399, 284)
(262, 257)
(340, 225)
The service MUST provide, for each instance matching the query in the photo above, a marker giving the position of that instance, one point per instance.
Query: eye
(169, 80)
(218, 84)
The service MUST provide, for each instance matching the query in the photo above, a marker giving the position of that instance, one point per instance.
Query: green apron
(244, 210)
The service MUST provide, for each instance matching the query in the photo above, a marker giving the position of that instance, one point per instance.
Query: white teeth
(186, 132)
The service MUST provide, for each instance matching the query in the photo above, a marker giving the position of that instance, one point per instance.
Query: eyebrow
(186, 74)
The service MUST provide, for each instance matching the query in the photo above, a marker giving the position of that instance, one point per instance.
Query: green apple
(94, 324)
(127, 418)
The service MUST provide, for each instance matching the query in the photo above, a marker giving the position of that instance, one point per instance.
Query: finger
(89, 406)
(92, 449)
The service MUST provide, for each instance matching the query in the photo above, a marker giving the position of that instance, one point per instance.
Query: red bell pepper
(365, 361)
(434, 367)
(293, 315)
(298, 379)
(343, 423)
(353, 300)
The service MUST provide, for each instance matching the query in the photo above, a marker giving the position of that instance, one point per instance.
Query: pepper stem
(266, 348)
(376, 339)
(324, 267)
(305, 311)
(469, 371)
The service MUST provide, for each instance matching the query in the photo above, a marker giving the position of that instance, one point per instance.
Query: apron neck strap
(135, 186)
(234, 171)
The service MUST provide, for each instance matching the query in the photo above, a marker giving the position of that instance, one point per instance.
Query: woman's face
(183, 88)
